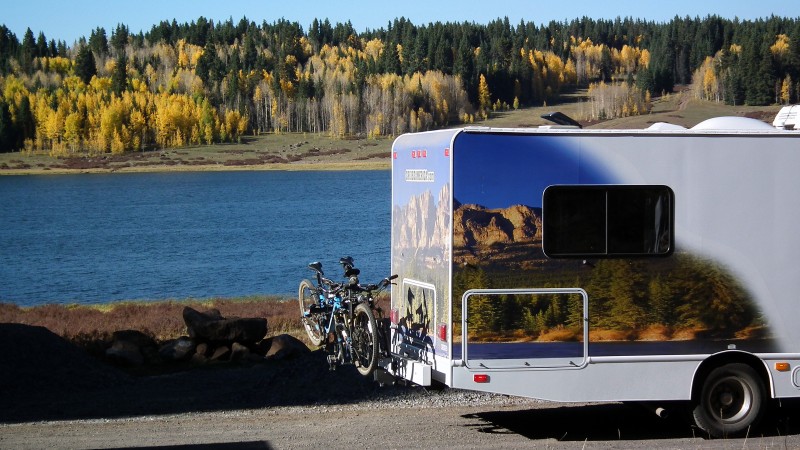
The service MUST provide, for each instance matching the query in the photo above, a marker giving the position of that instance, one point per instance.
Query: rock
(477, 226)
(285, 346)
(261, 348)
(239, 352)
(221, 353)
(212, 327)
(126, 354)
(131, 347)
(179, 349)
(214, 313)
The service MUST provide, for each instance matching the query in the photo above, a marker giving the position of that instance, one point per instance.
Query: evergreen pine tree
(119, 78)
(85, 68)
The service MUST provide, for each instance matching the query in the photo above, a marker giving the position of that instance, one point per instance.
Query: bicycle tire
(365, 340)
(306, 295)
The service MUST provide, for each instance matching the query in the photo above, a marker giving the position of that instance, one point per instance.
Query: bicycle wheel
(307, 296)
(365, 340)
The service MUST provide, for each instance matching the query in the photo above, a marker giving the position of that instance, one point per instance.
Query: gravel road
(54, 396)
(410, 419)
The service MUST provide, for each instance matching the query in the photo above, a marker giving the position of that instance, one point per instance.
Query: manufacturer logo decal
(420, 176)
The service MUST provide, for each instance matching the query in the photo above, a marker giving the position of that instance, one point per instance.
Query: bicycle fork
(342, 341)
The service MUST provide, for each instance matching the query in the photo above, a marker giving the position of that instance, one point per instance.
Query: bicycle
(340, 316)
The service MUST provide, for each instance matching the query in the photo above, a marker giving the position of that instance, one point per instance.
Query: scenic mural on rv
(421, 240)
(676, 304)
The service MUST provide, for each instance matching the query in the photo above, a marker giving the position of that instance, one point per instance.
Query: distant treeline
(207, 82)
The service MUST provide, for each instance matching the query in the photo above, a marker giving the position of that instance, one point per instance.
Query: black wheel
(365, 340)
(732, 400)
(307, 296)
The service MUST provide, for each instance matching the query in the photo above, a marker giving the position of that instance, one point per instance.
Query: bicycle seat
(351, 272)
(316, 265)
(346, 261)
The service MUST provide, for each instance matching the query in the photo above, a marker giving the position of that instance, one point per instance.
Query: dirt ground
(389, 424)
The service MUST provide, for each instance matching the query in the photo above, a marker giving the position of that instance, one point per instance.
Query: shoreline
(286, 167)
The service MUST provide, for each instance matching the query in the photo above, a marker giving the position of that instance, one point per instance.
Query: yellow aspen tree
(208, 134)
(196, 136)
(374, 48)
(710, 87)
(570, 73)
(231, 124)
(72, 130)
(117, 144)
(241, 125)
(786, 85)
(644, 59)
(484, 96)
(781, 46)
(628, 56)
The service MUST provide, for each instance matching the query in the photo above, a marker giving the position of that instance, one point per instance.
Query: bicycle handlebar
(353, 284)
(374, 287)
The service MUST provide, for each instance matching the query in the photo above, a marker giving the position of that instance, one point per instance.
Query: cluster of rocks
(211, 338)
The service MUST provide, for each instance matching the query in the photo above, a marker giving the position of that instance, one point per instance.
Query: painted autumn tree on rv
(207, 82)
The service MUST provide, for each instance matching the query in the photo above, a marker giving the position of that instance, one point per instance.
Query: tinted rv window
(607, 221)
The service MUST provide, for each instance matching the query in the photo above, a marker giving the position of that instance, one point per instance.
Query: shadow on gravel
(618, 422)
(44, 377)
(255, 445)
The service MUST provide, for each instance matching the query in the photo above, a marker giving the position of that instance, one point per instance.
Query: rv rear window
(607, 221)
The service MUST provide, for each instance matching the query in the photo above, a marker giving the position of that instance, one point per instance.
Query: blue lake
(101, 238)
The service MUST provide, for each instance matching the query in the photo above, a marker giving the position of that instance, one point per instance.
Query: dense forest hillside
(207, 82)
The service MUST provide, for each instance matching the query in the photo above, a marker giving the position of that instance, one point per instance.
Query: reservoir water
(149, 236)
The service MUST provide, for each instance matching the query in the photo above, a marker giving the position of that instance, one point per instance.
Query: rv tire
(731, 401)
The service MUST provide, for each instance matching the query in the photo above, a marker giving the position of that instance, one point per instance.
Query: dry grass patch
(161, 320)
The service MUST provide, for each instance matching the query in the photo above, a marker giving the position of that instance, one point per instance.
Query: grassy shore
(93, 325)
(162, 320)
(286, 151)
(307, 151)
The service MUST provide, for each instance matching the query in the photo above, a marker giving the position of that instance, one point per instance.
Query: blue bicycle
(340, 316)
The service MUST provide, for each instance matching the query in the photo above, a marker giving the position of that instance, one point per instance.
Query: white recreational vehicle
(581, 265)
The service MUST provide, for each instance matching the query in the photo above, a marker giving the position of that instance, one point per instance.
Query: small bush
(610, 335)
(560, 335)
(655, 333)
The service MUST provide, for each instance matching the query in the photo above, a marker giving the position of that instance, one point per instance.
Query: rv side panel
(683, 243)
